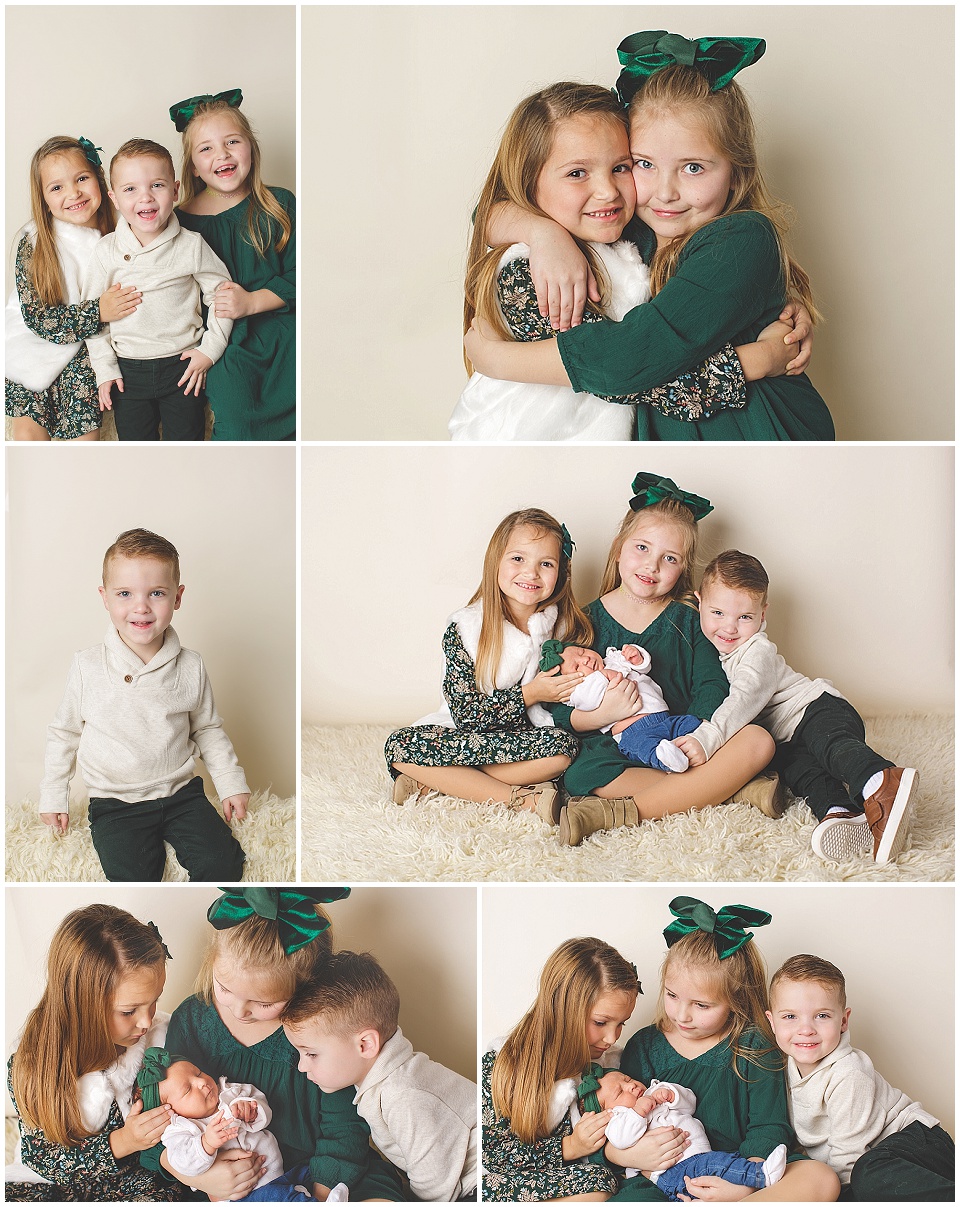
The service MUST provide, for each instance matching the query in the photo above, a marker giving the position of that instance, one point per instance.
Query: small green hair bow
(727, 926)
(567, 544)
(651, 488)
(719, 59)
(156, 1061)
(182, 112)
(589, 1087)
(90, 151)
(292, 910)
(551, 654)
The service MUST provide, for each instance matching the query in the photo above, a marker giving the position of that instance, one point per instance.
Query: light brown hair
(672, 512)
(140, 542)
(811, 968)
(350, 993)
(143, 148)
(738, 572)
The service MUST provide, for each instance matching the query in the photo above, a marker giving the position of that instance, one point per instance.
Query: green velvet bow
(183, 111)
(90, 151)
(292, 909)
(156, 1061)
(589, 1087)
(726, 926)
(568, 544)
(551, 654)
(719, 59)
(650, 488)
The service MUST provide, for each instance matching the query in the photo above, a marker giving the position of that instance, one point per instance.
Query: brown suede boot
(546, 801)
(585, 815)
(405, 787)
(765, 793)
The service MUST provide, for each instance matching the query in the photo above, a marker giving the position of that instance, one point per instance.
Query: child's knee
(762, 745)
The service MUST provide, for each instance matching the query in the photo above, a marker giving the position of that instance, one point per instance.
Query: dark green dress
(727, 288)
(686, 666)
(252, 389)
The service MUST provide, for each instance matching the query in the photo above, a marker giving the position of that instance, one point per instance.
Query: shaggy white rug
(34, 852)
(108, 429)
(351, 830)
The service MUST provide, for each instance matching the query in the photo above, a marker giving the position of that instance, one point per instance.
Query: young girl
(267, 941)
(251, 227)
(644, 601)
(714, 239)
(711, 1035)
(587, 993)
(492, 740)
(73, 1073)
(51, 389)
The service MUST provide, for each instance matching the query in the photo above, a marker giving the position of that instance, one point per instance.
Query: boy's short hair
(811, 968)
(139, 542)
(349, 993)
(136, 148)
(738, 571)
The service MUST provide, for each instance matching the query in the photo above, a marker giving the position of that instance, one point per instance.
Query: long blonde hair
(573, 624)
(68, 1033)
(264, 210)
(46, 275)
(672, 512)
(728, 124)
(524, 149)
(550, 1041)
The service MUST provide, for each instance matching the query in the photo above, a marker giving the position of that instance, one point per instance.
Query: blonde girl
(587, 993)
(711, 1035)
(73, 1073)
(714, 239)
(50, 387)
(266, 942)
(251, 227)
(493, 740)
(646, 599)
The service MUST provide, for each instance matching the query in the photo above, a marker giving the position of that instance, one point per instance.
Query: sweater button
(128, 678)
(128, 256)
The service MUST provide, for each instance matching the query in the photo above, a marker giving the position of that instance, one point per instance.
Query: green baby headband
(292, 910)
(651, 488)
(727, 926)
(643, 54)
(551, 654)
(156, 1061)
(589, 1087)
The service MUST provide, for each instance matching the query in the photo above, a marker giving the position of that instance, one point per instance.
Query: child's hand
(232, 301)
(245, 1109)
(658, 1148)
(550, 687)
(800, 319)
(661, 1095)
(620, 701)
(196, 371)
(119, 301)
(561, 277)
(59, 821)
(235, 807)
(142, 1130)
(587, 1137)
(779, 354)
(218, 1131)
(713, 1190)
(632, 654)
(696, 756)
(646, 1105)
(103, 393)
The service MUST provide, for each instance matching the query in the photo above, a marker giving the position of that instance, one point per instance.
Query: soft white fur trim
(98, 1091)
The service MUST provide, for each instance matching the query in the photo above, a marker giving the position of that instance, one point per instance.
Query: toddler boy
(422, 1116)
(136, 712)
(882, 1146)
(152, 354)
(859, 798)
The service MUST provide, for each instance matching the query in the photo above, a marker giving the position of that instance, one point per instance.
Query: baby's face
(616, 1089)
(576, 658)
(191, 1093)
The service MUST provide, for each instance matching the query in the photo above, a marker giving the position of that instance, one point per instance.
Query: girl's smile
(70, 189)
(528, 571)
(652, 558)
(221, 154)
(586, 184)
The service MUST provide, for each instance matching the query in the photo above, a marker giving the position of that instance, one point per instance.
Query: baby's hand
(119, 301)
(196, 372)
(232, 301)
(235, 807)
(103, 393)
(691, 748)
(218, 1131)
(661, 1095)
(245, 1109)
(551, 687)
(645, 1105)
(59, 821)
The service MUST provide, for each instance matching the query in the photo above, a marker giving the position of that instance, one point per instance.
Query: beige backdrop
(230, 511)
(893, 945)
(426, 939)
(845, 98)
(111, 73)
(858, 543)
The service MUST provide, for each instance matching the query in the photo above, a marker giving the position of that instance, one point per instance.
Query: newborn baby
(666, 1104)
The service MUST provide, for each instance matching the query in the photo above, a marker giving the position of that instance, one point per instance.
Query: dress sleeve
(343, 1150)
(502, 1150)
(61, 323)
(710, 685)
(470, 707)
(768, 1118)
(284, 282)
(722, 292)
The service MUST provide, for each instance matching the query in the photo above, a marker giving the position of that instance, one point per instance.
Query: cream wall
(893, 945)
(111, 73)
(230, 511)
(847, 113)
(425, 937)
(858, 543)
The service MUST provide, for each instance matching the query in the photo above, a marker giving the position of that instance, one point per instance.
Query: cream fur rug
(351, 830)
(108, 429)
(33, 852)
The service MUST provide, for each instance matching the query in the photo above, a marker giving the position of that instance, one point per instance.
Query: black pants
(129, 838)
(151, 397)
(912, 1166)
(826, 752)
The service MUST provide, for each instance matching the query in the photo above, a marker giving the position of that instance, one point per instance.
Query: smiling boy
(152, 364)
(136, 712)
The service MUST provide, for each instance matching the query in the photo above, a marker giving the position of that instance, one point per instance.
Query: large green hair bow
(719, 59)
(727, 926)
(650, 488)
(156, 1061)
(292, 910)
(182, 112)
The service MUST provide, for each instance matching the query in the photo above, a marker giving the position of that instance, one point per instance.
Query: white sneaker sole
(898, 824)
(842, 838)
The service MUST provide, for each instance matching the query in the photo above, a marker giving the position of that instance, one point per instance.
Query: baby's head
(569, 658)
(613, 1089)
(340, 1020)
(808, 1009)
(141, 589)
(166, 1079)
(732, 599)
(144, 187)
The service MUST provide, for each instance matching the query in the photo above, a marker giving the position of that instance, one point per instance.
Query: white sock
(775, 1164)
(835, 809)
(341, 1193)
(672, 756)
(872, 785)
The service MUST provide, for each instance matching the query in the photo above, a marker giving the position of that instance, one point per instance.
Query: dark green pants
(151, 398)
(912, 1166)
(129, 838)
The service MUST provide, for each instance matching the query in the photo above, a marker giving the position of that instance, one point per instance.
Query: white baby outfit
(588, 694)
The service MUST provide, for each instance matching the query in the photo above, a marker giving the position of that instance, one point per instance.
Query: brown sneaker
(765, 793)
(842, 836)
(889, 811)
